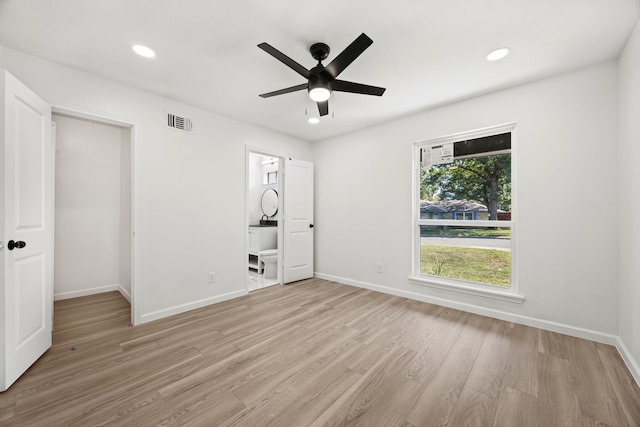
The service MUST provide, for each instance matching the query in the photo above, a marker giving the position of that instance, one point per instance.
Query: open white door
(26, 236)
(298, 220)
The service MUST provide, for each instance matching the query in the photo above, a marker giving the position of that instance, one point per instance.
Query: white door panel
(29, 273)
(298, 258)
(27, 229)
(298, 220)
(29, 129)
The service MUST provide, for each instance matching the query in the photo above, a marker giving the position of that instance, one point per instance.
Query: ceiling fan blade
(344, 86)
(323, 108)
(283, 91)
(348, 55)
(285, 60)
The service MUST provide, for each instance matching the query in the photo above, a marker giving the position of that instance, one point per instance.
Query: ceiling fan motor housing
(319, 51)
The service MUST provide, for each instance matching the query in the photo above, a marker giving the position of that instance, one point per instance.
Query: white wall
(566, 171)
(88, 207)
(189, 188)
(629, 187)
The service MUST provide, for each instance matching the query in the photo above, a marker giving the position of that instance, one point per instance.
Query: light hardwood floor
(315, 353)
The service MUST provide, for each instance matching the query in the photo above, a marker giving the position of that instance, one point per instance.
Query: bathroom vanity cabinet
(261, 238)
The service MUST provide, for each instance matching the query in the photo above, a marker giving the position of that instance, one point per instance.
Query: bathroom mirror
(269, 202)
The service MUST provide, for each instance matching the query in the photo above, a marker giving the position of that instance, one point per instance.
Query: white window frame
(461, 286)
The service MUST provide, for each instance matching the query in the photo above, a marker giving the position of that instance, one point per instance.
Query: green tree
(485, 180)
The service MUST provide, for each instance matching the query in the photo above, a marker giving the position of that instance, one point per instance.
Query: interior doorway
(93, 242)
(264, 220)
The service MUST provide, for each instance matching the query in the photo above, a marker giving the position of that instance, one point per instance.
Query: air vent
(179, 123)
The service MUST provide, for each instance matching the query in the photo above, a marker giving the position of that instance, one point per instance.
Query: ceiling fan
(321, 80)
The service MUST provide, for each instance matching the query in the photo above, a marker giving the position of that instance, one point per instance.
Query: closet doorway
(93, 242)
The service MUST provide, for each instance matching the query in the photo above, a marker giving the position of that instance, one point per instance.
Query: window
(464, 210)
(465, 216)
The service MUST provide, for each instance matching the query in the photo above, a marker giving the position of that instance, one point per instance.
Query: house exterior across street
(453, 209)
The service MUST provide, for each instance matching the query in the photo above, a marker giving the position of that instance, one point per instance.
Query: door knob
(310, 225)
(11, 245)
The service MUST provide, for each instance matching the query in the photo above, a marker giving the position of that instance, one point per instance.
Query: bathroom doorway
(264, 220)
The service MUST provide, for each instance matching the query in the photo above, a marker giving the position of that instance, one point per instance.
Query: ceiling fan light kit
(319, 94)
(321, 80)
(319, 90)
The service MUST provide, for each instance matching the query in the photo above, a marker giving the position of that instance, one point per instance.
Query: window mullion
(465, 223)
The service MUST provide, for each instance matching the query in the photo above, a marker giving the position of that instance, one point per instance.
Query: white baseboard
(177, 309)
(631, 363)
(589, 334)
(125, 293)
(86, 292)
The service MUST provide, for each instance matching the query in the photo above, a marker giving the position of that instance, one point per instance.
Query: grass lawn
(471, 264)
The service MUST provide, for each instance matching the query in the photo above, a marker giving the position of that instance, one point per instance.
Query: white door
(26, 237)
(298, 220)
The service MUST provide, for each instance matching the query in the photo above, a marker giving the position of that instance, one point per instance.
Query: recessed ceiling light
(314, 120)
(498, 54)
(143, 51)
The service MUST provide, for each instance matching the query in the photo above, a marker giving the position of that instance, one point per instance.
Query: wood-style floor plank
(557, 401)
(626, 390)
(440, 396)
(488, 369)
(520, 369)
(516, 408)
(358, 402)
(474, 408)
(315, 353)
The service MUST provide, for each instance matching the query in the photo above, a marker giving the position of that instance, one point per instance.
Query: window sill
(503, 295)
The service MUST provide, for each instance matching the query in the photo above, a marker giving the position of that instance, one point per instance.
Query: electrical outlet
(380, 267)
(212, 277)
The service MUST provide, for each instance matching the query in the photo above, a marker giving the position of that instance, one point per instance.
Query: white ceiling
(425, 52)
